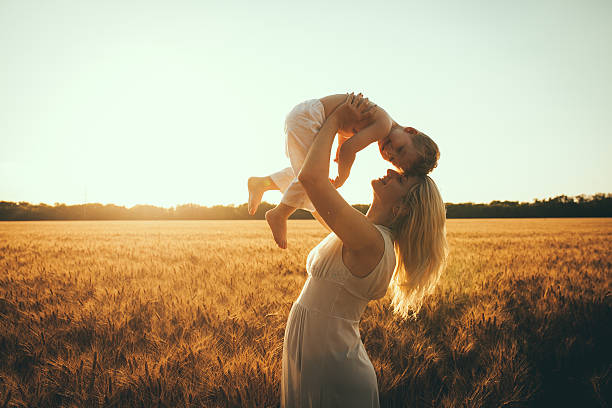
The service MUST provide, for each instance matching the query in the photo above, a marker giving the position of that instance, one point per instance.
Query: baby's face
(398, 147)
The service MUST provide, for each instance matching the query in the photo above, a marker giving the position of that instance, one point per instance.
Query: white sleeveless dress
(324, 361)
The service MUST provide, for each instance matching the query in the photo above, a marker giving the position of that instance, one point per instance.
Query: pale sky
(166, 103)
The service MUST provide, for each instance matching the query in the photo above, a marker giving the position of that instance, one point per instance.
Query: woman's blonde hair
(419, 236)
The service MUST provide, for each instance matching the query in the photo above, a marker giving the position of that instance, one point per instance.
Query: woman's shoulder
(364, 262)
(388, 255)
(387, 235)
(385, 231)
(374, 285)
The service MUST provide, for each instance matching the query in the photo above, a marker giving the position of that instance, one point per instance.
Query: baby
(405, 147)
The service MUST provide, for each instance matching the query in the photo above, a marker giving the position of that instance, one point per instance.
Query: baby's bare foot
(256, 190)
(278, 225)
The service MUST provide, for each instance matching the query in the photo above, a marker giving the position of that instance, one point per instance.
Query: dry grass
(193, 313)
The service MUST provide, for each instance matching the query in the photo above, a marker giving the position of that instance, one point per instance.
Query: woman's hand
(353, 110)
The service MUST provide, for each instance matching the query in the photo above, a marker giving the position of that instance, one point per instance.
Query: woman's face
(392, 188)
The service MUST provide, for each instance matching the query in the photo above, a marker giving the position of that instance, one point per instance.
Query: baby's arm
(342, 137)
(348, 150)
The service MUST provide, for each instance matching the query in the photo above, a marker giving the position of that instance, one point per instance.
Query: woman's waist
(331, 299)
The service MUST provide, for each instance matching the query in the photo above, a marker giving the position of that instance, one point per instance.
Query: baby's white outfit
(324, 361)
(301, 125)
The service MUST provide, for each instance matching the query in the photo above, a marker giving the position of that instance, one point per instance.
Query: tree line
(598, 205)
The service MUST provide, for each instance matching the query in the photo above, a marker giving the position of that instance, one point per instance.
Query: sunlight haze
(166, 103)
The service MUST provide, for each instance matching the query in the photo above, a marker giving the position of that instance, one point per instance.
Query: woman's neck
(379, 214)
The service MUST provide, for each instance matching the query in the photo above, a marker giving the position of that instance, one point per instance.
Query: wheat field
(192, 313)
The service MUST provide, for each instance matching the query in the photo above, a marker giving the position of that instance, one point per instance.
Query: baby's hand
(343, 173)
(337, 154)
(342, 137)
(345, 162)
(338, 182)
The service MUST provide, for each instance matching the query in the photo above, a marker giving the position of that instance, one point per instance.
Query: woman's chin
(375, 184)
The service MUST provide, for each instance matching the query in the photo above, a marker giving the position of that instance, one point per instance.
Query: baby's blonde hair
(419, 236)
(428, 154)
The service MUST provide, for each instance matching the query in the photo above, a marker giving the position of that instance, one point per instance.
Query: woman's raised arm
(352, 227)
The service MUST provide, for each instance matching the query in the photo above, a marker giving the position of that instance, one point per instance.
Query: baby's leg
(277, 220)
(276, 217)
(259, 185)
(301, 126)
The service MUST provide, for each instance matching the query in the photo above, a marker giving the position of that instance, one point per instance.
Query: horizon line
(55, 204)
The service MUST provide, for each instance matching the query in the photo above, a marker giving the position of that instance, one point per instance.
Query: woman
(324, 361)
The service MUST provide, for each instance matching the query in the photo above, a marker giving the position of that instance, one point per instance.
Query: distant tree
(598, 205)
